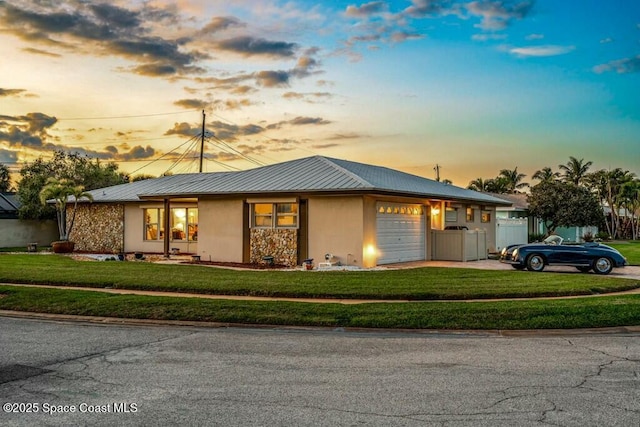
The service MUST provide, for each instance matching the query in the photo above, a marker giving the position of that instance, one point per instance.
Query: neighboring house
(15, 232)
(362, 215)
(515, 219)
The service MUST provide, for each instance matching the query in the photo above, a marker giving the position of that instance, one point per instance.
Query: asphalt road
(168, 375)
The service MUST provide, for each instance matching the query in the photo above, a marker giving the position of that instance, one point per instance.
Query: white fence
(511, 231)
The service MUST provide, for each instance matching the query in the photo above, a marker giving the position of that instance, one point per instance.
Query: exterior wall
(134, 231)
(98, 227)
(336, 226)
(280, 243)
(220, 230)
(15, 232)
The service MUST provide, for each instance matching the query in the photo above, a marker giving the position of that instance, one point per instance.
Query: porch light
(435, 210)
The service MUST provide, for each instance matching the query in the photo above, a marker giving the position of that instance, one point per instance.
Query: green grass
(630, 250)
(414, 284)
(608, 311)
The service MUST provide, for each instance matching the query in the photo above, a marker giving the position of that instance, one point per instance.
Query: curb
(476, 333)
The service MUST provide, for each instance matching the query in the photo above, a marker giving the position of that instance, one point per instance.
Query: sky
(471, 86)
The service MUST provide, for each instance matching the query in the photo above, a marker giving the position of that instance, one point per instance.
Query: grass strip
(557, 314)
(413, 284)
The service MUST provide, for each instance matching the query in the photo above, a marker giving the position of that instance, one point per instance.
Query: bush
(588, 237)
(603, 235)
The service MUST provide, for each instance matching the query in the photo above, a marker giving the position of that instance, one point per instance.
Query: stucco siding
(220, 230)
(336, 226)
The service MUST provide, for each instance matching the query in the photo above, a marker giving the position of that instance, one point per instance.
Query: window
(486, 216)
(275, 215)
(183, 224)
(287, 215)
(471, 215)
(451, 215)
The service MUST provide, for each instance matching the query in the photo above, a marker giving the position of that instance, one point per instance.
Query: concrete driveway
(628, 272)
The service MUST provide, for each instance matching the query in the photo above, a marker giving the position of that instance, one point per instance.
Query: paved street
(164, 375)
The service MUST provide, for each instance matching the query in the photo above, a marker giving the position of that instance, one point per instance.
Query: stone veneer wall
(98, 228)
(281, 244)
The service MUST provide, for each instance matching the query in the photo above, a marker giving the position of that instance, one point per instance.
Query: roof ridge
(346, 171)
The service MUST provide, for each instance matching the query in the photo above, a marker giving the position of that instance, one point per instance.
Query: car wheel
(584, 268)
(602, 265)
(535, 262)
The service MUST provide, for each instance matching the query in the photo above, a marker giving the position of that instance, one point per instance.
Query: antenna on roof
(437, 169)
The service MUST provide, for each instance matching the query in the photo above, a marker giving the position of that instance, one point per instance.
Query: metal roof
(308, 175)
(9, 202)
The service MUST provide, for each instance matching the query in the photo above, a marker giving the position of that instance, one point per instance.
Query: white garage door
(401, 234)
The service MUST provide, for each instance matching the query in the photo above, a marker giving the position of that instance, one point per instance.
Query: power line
(127, 117)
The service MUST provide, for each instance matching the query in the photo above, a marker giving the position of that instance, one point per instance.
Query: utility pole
(202, 141)
(437, 169)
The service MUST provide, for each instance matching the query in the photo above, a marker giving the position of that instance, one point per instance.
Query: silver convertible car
(551, 251)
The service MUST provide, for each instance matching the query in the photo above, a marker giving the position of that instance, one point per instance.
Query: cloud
(541, 51)
(102, 29)
(11, 92)
(341, 136)
(486, 37)
(221, 23)
(40, 52)
(366, 9)
(311, 98)
(606, 40)
(300, 121)
(250, 46)
(233, 104)
(184, 129)
(620, 66)
(272, 78)
(425, 8)
(242, 90)
(136, 153)
(401, 36)
(498, 14)
(191, 104)
(534, 37)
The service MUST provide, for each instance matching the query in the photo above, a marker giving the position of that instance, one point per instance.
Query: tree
(564, 204)
(575, 171)
(5, 179)
(498, 185)
(513, 179)
(607, 186)
(60, 190)
(546, 175)
(141, 177)
(477, 184)
(81, 170)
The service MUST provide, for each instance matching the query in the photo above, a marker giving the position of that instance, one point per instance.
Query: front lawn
(414, 284)
(606, 311)
(631, 250)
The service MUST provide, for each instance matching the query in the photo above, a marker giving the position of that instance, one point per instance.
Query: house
(15, 232)
(316, 207)
(515, 224)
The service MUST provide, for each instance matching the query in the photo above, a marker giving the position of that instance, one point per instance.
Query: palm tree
(60, 190)
(546, 175)
(477, 184)
(575, 170)
(498, 185)
(513, 179)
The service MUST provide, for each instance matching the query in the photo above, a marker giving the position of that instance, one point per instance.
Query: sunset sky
(472, 86)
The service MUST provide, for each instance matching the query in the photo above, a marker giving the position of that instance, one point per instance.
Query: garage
(400, 232)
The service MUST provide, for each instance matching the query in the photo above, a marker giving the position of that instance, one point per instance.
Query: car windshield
(553, 240)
